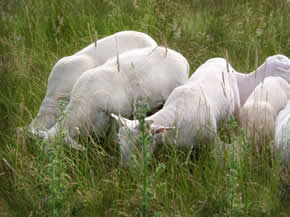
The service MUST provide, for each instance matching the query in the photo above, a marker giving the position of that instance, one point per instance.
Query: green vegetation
(64, 182)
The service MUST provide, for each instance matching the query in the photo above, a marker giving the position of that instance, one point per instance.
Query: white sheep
(282, 135)
(276, 66)
(68, 70)
(191, 113)
(148, 74)
(259, 113)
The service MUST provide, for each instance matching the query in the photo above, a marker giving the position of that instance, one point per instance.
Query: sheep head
(128, 135)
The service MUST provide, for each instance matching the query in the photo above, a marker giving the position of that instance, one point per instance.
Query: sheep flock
(104, 81)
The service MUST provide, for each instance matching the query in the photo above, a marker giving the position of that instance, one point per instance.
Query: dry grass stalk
(21, 108)
(96, 38)
(256, 62)
(248, 60)
(117, 48)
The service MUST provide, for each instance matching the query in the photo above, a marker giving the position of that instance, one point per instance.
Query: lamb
(148, 74)
(191, 114)
(259, 113)
(68, 70)
(282, 135)
(275, 66)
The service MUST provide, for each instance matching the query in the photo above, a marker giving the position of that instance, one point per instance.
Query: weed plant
(65, 182)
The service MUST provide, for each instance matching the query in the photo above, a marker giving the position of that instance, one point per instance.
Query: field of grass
(34, 34)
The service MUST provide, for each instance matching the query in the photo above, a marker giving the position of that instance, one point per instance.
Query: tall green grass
(64, 182)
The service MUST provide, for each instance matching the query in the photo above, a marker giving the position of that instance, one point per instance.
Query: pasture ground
(63, 182)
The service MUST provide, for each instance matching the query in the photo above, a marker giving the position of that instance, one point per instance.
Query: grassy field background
(35, 34)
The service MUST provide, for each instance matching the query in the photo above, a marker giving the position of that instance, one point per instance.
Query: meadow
(34, 34)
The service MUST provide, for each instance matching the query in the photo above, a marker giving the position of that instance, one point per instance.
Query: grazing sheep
(259, 113)
(68, 70)
(191, 113)
(148, 74)
(276, 66)
(282, 135)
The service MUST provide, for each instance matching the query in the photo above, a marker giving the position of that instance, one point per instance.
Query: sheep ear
(121, 121)
(160, 129)
(124, 122)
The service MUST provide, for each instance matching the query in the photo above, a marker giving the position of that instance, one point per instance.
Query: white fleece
(68, 70)
(260, 111)
(148, 74)
(194, 110)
